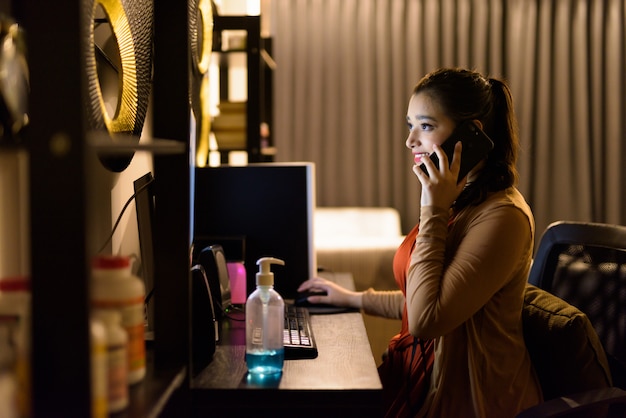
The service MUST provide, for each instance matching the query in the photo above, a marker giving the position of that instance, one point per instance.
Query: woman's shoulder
(510, 199)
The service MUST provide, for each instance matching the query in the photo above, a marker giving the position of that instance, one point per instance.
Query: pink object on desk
(237, 276)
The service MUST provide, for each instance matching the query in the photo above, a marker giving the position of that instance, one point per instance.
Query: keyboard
(298, 336)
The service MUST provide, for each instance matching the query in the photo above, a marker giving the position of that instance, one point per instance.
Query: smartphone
(476, 146)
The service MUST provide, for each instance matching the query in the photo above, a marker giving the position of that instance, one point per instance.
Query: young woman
(462, 270)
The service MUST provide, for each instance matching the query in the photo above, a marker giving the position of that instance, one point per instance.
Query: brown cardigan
(465, 288)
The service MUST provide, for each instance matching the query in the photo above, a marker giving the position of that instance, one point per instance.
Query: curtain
(567, 71)
(346, 68)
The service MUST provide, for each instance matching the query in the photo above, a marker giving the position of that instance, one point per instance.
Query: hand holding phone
(476, 146)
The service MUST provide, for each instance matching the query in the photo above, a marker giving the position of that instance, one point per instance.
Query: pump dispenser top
(265, 276)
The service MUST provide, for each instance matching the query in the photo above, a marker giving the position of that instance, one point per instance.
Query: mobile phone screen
(476, 146)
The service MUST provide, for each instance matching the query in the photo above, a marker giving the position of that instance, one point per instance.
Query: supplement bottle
(99, 365)
(117, 371)
(15, 308)
(113, 286)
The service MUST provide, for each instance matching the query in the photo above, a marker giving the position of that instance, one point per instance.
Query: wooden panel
(55, 140)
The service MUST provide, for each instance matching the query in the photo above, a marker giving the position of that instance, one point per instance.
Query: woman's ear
(479, 123)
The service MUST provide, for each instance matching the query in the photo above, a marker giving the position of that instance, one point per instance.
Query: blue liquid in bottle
(265, 362)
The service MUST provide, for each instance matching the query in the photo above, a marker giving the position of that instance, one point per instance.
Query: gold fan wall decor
(14, 80)
(117, 104)
(201, 45)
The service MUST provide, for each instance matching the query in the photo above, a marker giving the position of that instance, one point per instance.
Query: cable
(119, 218)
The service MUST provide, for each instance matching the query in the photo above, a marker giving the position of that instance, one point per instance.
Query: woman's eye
(426, 127)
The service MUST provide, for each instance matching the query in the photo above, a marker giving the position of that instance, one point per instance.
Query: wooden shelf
(150, 397)
(259, 93)
(102, 144)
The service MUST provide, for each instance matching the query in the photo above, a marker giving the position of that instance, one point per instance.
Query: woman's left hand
(440, 187)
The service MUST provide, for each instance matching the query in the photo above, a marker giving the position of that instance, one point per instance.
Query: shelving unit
(63, 189)
(259, 78)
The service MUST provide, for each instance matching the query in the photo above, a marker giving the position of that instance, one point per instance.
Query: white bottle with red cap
(99, 369)
(117, 370)
(15, 330)
(113, 286)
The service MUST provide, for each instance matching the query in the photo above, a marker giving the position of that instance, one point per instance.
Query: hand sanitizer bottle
(265, 317)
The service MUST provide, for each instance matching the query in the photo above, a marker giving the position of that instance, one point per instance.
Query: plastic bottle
(237, 277)
(15, 306)
(265, 313)
(117, 370)
(8, 380)
(98, 342)
(113, 286)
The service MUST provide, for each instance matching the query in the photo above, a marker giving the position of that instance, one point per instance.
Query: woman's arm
(441, 294)
(385, 303)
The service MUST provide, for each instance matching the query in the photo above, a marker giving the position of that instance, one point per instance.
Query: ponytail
(500, 171)
(504, 125)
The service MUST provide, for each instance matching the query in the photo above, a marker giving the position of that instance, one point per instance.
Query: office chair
(600, 403)
(574, 320)
(585, 264)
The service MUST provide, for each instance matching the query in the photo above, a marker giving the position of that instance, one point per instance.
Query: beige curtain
(567, 66)
(345, 70)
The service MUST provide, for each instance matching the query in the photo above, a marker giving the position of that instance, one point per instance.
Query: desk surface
(342, 378)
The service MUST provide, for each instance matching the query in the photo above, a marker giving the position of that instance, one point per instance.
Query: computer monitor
(144, 205)
(267, 208)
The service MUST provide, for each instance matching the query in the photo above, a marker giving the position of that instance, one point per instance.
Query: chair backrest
(585, 264)
(599, 403)
(563, 346)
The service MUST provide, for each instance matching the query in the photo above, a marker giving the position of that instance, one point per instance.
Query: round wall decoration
(125, 51)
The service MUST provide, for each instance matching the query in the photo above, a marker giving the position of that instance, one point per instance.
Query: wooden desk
(341, 381)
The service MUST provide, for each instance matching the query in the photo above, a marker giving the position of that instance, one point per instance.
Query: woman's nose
(411, 140)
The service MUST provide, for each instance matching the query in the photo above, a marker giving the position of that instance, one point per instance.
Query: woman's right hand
(440, 187)
(335, 294)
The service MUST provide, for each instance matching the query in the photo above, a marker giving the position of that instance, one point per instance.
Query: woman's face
(428, 125)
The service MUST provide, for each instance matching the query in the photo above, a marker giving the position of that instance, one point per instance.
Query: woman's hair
(464, 94)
